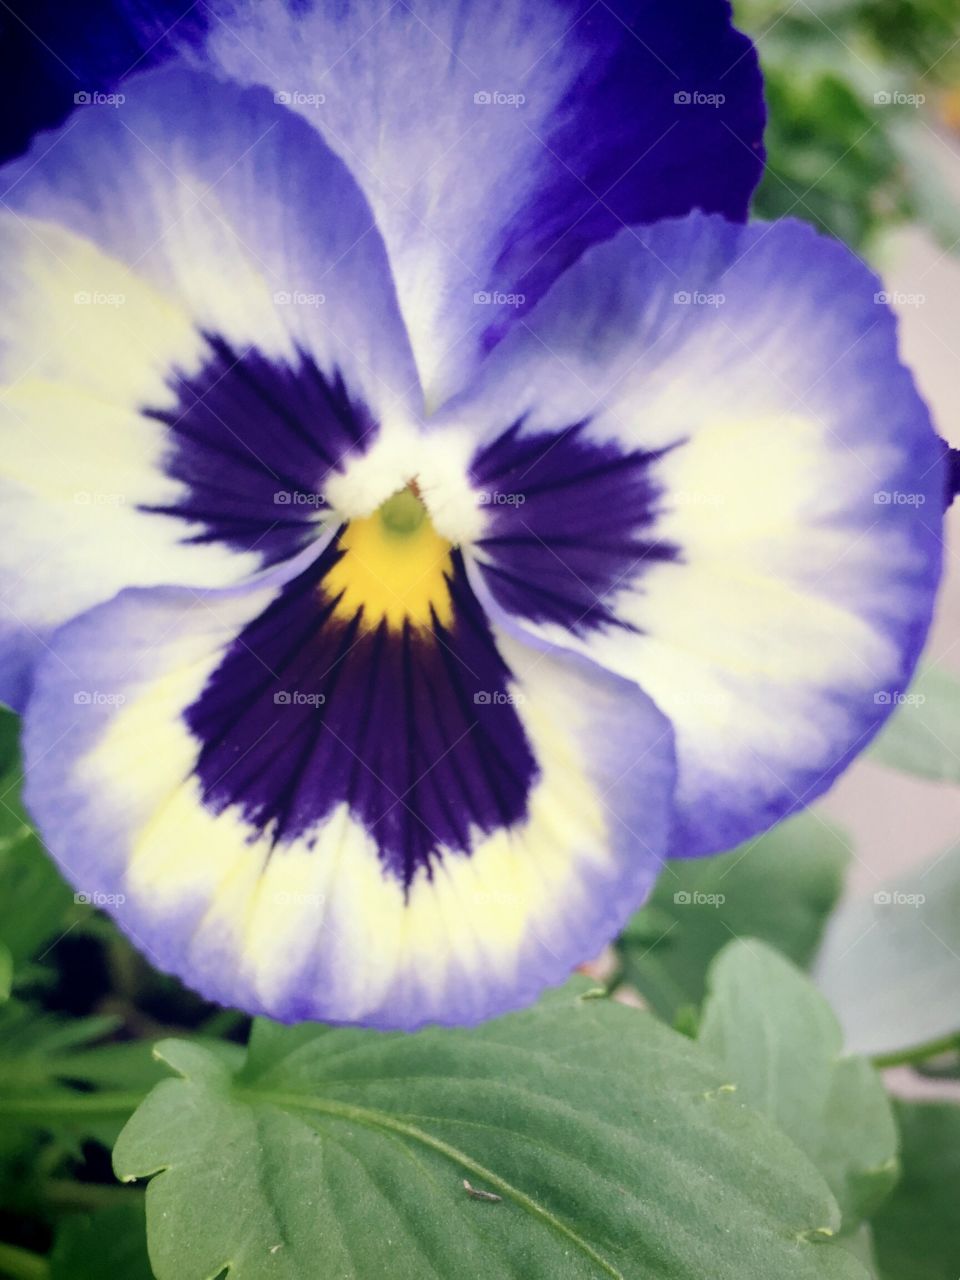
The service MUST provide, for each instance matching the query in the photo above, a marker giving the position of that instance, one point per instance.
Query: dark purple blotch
(415, 730)
(253, 440)
(570, 524)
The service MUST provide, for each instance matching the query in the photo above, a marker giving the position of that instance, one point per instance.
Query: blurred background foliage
(849, 148)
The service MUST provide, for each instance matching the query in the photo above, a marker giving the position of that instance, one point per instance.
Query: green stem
(87, 1196)
(223, 1022)
(908, 1057)
(21, 1264)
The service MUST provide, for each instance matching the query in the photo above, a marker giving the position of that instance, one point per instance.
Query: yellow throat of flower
(393, 568)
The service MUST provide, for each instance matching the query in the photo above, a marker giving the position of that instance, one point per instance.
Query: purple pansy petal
(702, 464)
(386, 843)
(566, 516)
(496, 142)
(55, 57)
(199, 328)
(952, 464)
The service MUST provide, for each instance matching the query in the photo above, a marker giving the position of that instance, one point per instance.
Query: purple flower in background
(427, 506)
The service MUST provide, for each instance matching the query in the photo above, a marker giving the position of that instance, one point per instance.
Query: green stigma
(403, 514)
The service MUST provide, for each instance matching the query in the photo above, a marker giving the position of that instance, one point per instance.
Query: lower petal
(309, 817)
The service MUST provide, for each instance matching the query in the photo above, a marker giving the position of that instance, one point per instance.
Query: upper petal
(496, 141)
(702, 463)
(198, 328)
(55, 56)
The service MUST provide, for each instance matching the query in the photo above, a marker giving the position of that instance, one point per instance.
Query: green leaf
(9, 739)
(935, 203)
(109, 1244)
(779, 888)
(604, 1142)
(923, 735)
(21, 1264)
(43, 1058)
(890, 963)
(860, 1245)
(6, 973)
(36, 904)
(54, 1078)
(781, 1044)
(917, 1232)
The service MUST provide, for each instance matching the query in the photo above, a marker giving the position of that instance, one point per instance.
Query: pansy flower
(427, 506)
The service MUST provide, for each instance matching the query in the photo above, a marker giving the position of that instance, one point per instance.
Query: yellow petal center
(394, 567)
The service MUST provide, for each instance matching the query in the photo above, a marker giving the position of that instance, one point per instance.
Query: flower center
(403, 514)
(393, 568)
